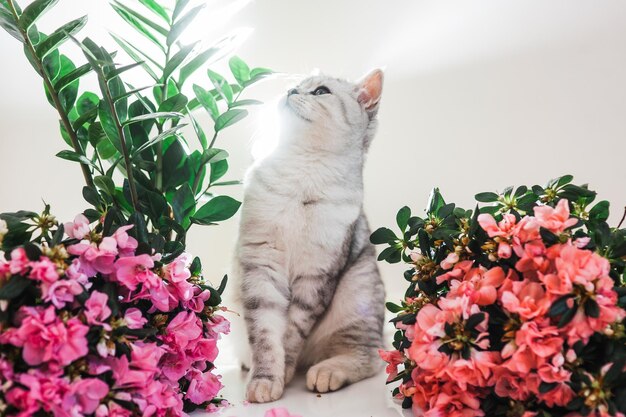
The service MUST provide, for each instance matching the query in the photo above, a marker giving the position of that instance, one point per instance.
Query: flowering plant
(101, 322)
(108, 315)
(514, 309)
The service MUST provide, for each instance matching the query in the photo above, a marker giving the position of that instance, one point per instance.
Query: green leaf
(106, 149)
(108, 125)
(183, 204)
(487, 197)
(13, 288)
(226, 183)
(67, 79)
(207, 100)
(240, 70)
(221, 85)
(124, 11)
(150, 116)
(435, 201)
(229, 118)
(213, 155)
(257, 74)
(138, 25)
(68, 95)
(383, 235)
(59, 36)
(119, 70)
(156, 8)
(394, 308)
(194, 64)
(198, 129)
(180, 25)
(246, 102)
(34, 11)
(217, 209)
(600, 212)
(402, 218)
(87, 102)
(9, 24)
(129, 93)
(173, 104)
(218, 170)
(75, 157)
(138, 56)
(175, 61)
(161, 137)
(105, 184)
(179, 8)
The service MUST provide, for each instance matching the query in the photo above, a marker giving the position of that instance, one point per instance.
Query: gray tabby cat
(310, 287)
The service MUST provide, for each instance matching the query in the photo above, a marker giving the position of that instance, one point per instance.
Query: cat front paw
(290, 371)
(323, 378)
(263, 390)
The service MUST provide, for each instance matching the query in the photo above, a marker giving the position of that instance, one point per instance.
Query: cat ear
(370, 89)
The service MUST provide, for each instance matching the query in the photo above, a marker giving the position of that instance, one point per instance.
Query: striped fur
(309, 286)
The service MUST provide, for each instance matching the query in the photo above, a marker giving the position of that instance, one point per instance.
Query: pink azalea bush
(516, 309)
(99, 323)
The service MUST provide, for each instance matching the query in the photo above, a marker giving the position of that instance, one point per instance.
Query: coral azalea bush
(514, 309)
(99, 322)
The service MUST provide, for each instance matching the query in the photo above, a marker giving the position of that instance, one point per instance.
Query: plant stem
(120, 132)
(623, 218)
(55, 97)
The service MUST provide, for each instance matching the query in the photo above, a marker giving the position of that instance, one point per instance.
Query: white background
(478, 96)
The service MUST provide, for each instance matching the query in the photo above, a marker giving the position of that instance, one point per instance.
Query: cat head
(332, 114)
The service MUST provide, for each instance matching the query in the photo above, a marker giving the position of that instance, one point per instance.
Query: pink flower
(184, 328)
(146, 356)
(79, 228)
(61, 292)
(203, 386)
(502, 231)
(44, 270)
(526, 298)
(479, 285)
(96, 257)
(134, 270)
(279, 412)
(45, 338)
(555, 219)
(96, 308)
(204, 350)
(112, 410)
(542, 338)
(177, 270)
(450, 261)
(393, 359)
(125, 243)
(19, 261)
(89, 392)
(134, 318)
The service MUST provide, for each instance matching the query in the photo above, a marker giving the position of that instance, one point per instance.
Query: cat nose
(291, 92)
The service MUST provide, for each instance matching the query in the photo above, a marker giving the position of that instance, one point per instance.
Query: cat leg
(265, 301)
(343, 348)
(310, 297)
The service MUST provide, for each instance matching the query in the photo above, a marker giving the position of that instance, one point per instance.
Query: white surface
(370, 397)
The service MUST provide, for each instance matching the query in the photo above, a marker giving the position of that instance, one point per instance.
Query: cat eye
(320, 90)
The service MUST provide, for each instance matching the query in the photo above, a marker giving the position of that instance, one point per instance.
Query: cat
(311, 292)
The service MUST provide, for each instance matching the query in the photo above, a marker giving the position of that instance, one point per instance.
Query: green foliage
(138, 132)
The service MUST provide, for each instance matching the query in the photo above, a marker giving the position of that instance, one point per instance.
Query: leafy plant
(138, 131)
(472, 274)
